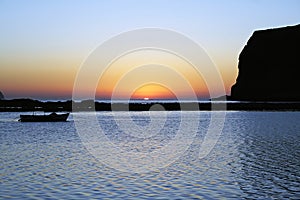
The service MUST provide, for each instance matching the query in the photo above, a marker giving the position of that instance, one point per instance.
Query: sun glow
(153, 91)
(151, 74)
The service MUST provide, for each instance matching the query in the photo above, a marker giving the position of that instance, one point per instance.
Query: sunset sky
(44, 43)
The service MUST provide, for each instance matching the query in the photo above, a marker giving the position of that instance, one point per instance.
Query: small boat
(53, 117)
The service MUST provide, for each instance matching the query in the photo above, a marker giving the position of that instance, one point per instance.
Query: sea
(152, 155)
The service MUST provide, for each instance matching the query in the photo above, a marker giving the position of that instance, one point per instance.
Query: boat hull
(53, 117)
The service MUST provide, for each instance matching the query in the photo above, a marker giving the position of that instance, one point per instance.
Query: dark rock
(1, 95)
(269, 65)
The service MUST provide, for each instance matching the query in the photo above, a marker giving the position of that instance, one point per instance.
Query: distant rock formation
(269, 66)
(1, 96)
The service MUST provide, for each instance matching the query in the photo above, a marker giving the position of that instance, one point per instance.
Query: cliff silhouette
(268, 66)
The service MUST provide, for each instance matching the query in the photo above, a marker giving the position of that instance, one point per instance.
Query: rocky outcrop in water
(269, 66)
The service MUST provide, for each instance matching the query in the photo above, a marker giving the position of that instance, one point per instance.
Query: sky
(43, 44)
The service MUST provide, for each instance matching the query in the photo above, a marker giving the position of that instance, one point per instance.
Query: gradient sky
(44, 43)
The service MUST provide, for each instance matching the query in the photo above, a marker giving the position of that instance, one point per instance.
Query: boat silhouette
(53, 117)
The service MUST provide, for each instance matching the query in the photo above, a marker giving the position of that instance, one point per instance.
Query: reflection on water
(256, 157)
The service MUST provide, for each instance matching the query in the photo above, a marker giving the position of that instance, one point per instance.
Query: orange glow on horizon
(128, 76)
(153, 91)
(151, 74)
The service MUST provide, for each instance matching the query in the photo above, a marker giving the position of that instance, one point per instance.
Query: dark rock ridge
(269, 66)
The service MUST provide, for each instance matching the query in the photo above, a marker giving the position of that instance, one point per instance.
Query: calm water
(257, 156)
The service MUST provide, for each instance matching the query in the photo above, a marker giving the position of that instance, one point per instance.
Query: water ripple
(256, 157)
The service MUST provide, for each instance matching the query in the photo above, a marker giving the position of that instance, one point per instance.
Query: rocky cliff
(269, 66)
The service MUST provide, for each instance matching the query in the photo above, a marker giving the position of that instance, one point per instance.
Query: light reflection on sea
(256, 157)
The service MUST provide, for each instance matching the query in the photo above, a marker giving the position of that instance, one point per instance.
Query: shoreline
(26, 105)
